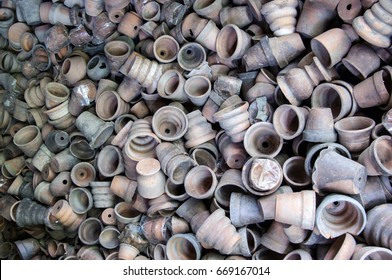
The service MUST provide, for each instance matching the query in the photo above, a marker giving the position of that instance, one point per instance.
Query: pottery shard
(264, 174)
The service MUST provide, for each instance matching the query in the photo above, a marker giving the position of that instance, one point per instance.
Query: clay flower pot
(97, 67)
(244, 210)
(275, 239)
(373, 27)
(28, 139)
(110, 161)
(116, 52)
(290, 209)
(281, 16)
(225, 239)
(64, 214)
(94, 129)
(198, 89)
(261, 139)
(351, 179)
(239, 15)
(61, 184)
(339, 214)
(151, 180)
(294, 172)
(30, 213)
(298, 254)
(234, 118)
(103, 197)
(209, 10)
(109, 237)
(125, 213)
(375, 159)
(376, 191)
(330, 54)
(199, 130)
(342, 249)
(234, 154)
(171, 86)
(110, 106)
(372, 253)
(123, 187)
(169, 123)
(80, 200)
(262, 176)
(375, 90)
(289, 121)
(175, 163)
(74, 69)
(191, 56)
(208, 36)
(89, 231)
(354, 132)
(175, 191)
(200, 182)
(183, 247)
(377, 231)
(56, 141)
(27, 248)
(130, 24)
(320, 126)
(55, 94)
(363, 67)
(232, 42)
(165, 49)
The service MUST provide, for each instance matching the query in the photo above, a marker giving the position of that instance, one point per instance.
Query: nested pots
(169, 123)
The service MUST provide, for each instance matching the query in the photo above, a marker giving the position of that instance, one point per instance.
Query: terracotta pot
(294, 172)
(183, 247)
(125, 213)
(244, 210)
(309, 77)
(127, 252)
(28, 139)
(175, 163)
(108, 217)
(199, 131)
(208, 36)
(94, 129)
(151, 11)
(372, 253)
(80, 200)
(81, 149)
(30, 213)
(71, 221)
(377, 231)
(339, 214)
(261, 140)
(374, 157)
(130, 24)
(173, 13)
(55, 94)
(175, 191)
(165, 49)
(74, 69)
(123, 187)
(234, 154)
(15, 32)
(200, 182)
(262, 176)
(88, 252)
(342, 249)
(6, 21)
(102, 195)
(275, 239)
(354, 132)
(198, 89)
(320, 126)
(169, 123)
(350, 181)
(83, 94)
(11, 168)
(191, 56)
(209, 10)
(163, 205)
(374, 90)
(27, 248)
(329, 54)
(109, 237)
(298, 254)
(204, 157)
(316, 17)
(141, 142)
(116, 52)
(192, 25)
(289, 121)
(61, 184)
(240, 16)
(190, 208)
(151, 179)
(376, 191)
(171, 86)
(250, 240)
(89, 231)
(63, 161)
(295, 234)
(372, 26)
(226, 238)
(361, 68)
(160, 252)
(129, 90)
(232, 42)
(97, 67)
(56, 141)
(156, 229)
(110, 161)
(234, 118)
(290, 209)
(42, 194)
(281, 16)
(145, 71)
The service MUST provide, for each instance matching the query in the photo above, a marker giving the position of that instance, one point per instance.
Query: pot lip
(232, 109)
(288, 179)
(358, 119)
(376, 156)
(160, 115)
(191, 238)
(194, 171)
(89, 202)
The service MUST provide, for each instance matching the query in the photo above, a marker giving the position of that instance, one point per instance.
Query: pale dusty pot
(80, 200)
(375, 157)
(89, 231)
(102, 195)
(281, 16)
(377, 230)
(151, 180)
(125, 213)
(123, 187)
(28, 139)
(244, 210)
(110, 161)
(199, 130)
(200, 182)
(234, 154)
(342, 249)
(64, 214)
(183, 247)
(169, 123)
(275, 239)
(61, 184)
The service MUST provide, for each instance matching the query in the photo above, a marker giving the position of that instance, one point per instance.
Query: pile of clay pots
(161, 129)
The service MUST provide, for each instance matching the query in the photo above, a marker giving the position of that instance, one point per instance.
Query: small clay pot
(28, 139)
(151, 180)
(183, 247)
(169, 123)
(89, 231)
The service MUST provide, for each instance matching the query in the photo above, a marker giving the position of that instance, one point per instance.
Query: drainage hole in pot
(103, 66)
(336, 203)
(167, 131)
(65, 182)
(162, 53)
(349, 6)
(265, 145)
